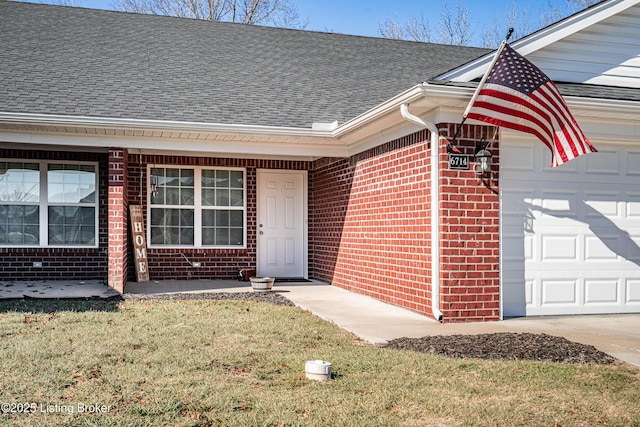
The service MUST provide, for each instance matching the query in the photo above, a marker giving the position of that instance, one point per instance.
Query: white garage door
(570, 235)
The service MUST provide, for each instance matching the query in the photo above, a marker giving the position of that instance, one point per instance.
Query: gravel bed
(268, 297)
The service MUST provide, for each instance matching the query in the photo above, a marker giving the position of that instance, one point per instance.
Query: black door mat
(291, 279)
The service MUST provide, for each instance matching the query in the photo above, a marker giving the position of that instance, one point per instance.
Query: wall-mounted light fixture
(153, 185)
(482, 159)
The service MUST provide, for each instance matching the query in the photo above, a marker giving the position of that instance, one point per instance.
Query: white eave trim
(189, 138)
(381, 124)
(155, 125)
(543, 37)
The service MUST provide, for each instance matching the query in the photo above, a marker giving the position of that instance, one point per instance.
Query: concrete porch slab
(55, 289)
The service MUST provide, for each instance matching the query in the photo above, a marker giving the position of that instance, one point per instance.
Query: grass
(229, 363)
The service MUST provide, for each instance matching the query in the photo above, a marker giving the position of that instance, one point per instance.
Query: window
(48, 204)
(71, 193)
(197, 207)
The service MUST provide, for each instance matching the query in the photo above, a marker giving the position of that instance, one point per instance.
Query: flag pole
(486, 75)
(450, 147)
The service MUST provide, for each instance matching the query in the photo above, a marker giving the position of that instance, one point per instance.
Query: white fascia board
(458, 97)
(134, 134)
(245, 140)
(174, 146)
(542, 38)
(376, 120)
(156, 125)
(444, 103)
(384, 123)
(452, 97)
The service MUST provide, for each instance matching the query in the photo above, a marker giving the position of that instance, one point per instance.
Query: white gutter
(435, 208)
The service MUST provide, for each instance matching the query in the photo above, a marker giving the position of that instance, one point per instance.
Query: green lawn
(228, 363)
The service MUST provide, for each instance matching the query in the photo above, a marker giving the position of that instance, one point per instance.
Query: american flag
(517, 95)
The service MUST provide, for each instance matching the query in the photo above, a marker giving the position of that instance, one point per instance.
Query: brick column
(470, 232)
(117, 212)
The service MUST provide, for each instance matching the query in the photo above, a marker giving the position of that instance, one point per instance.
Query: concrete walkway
(369, 319)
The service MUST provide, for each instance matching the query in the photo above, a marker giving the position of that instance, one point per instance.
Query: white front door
(282, 223)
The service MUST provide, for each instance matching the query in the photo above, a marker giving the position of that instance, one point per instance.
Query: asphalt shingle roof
(84, 62)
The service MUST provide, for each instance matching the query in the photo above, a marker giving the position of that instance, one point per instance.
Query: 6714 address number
(459, 161)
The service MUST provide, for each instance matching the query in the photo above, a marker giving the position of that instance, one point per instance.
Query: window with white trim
(48, 203)
(197, 207)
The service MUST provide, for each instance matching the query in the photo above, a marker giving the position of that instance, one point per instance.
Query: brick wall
(470, 239)
(370, 226)
(369, 222)
(118, 218)
(60, 263)
(215, 263)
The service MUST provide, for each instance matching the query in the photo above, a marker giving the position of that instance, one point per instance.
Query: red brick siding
(470, 236)
(215, 263)
(370, 227)
(118, 218)
(60, 263)
(330, 186)
(370, 222)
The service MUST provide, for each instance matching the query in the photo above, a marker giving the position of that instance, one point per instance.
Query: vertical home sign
(139, 243)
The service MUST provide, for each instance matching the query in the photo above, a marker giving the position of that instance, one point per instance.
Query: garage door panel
(517, 248)
(560, 248)
(569, 168)
(602, 247)
(570, 235)
(633, 206)
(632, 292)
(524, 158)
(633, 249)
(603, 203)
(633, 162)
(515, 297)
(607, 162)
(518, 201)
(559, 203)
(602, 291)
(559, 292)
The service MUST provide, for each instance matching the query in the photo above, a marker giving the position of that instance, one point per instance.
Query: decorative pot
(262, 284)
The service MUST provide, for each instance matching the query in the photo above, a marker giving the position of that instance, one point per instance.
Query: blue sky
(361, 17)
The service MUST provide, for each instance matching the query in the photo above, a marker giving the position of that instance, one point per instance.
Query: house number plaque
(459, 161)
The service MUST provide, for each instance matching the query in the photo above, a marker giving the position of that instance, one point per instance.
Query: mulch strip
(505, 346)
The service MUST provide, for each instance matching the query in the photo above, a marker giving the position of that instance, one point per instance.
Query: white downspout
(435, 208)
